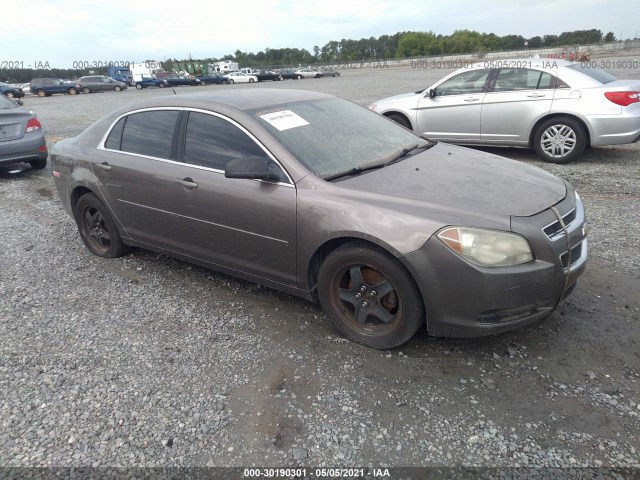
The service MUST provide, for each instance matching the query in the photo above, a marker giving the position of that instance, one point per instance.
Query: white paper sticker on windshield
(284, 119)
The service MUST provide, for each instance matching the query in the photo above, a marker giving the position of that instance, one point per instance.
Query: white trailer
(224, 67)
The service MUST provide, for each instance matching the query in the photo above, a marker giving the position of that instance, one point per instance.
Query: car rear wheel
(86, 90)
(560, 140)
(138, 86)
(97, 229)
(10, 95)
(396, 117)
(161, 85)
(369, 297)
(38, 164)
(117, 88)
(72, 91)
(251, 80)
(299, 77)
(41, 93)
(231, 80)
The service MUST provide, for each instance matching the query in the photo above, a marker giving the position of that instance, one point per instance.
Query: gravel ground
(146, 361)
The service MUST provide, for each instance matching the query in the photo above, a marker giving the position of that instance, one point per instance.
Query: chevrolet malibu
(316, 196)
(554, 106)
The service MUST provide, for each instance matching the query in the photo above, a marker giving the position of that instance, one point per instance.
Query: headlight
(487, 248)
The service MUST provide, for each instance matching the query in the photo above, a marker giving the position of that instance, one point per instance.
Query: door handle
(187, 183)
(471, 99)
(537, 95)
(104, 166)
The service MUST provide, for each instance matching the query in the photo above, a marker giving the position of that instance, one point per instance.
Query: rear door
(453, 113)
(516, 100)
(136, 169)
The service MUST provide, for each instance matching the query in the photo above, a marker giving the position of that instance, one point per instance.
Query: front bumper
(462, 299)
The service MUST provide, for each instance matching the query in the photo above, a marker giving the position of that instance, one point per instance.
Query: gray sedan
(554, 106)
(99, 83)
(21, 135)
(316, 196)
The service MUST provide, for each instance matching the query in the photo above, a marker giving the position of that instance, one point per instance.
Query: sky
(62, 33)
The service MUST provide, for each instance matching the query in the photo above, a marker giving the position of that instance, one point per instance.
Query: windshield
(332, 136)
(595, 73)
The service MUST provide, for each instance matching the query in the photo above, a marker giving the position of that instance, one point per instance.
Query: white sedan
(239, 77)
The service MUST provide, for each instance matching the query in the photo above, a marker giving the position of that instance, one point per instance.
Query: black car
(288, 73)
(10, 91)
(212, 78)
(45, 87)
(179, 80)
(265, 75)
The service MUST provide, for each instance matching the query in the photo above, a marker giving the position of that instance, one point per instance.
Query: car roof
(235, 99)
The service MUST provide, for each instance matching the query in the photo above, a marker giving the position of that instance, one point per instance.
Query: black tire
(41, 93)
(224, 82)
(369, 297)
(162, 85)
(231, 81)
(10, 95)
(97, 229)
(400, 119)
(560, 140)
(38, 164)
(86, 90)
(251, 80)
(299, 77)
(72, 91)
(117, 88)
(138, 86)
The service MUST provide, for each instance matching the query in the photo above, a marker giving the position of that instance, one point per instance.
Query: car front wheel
(72, 91)
(117, 88)
(560, 140)
(369, 297)
(97, 229)
(86, 90)
(41, 93)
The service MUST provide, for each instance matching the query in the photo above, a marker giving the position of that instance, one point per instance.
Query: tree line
(399, 45)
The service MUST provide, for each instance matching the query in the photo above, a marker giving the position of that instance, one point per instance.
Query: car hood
(463, 182)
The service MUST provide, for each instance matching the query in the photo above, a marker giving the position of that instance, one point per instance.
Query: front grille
(554, 230)
(576, 253)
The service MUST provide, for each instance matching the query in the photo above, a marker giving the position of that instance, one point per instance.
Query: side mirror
(432, 92)
(254, 168)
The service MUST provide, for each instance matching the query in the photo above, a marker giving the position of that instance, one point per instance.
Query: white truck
(148, 69)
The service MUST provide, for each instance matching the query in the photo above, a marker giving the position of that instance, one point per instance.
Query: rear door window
(147, 133)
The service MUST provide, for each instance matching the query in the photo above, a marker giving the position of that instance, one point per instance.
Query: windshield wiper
(353, 171)
(358, 169)
(404, 153)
